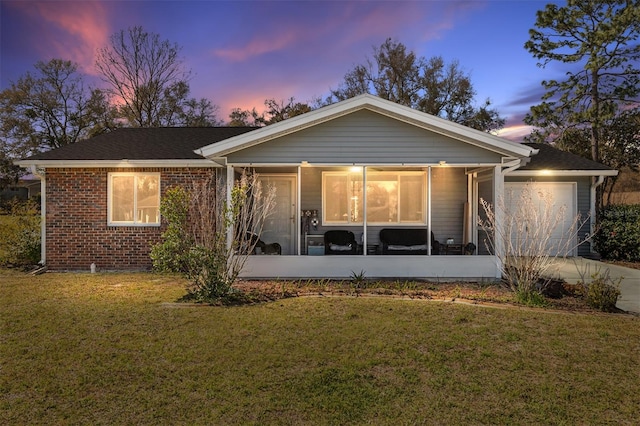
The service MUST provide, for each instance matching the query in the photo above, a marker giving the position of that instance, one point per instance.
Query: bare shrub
(523, 242)
(221, 233)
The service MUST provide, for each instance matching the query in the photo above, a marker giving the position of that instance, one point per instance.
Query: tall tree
(280, 111)
(51, 108)
(274, 113)
(598, 41)
(147, 78)
(245, 118)
(428, 85)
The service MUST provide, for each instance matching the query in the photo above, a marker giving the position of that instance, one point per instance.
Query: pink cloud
(515, 133)
(83, 25)
(258, 46)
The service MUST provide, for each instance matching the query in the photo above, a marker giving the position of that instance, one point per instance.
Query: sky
(243, 52)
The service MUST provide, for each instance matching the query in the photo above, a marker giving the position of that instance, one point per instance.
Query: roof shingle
(552, 158)
(159, 143)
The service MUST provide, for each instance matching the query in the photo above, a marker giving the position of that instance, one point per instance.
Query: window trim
(135, 222)
(398, 173)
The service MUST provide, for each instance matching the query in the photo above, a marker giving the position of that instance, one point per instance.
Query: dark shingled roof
(159, 143)
(178, 143)
(552, 158)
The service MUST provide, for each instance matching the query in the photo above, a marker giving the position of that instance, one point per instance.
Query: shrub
(522, 241)
(171, 254)
(200, 222)
(20, 234)
(618, 236)
(603, 292)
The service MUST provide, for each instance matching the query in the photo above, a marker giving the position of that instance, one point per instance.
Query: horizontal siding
(449, 193)
(364, 137)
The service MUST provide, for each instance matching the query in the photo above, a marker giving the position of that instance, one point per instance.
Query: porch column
(498, 207)
(229, 184)
(364, 210)
(429, 229)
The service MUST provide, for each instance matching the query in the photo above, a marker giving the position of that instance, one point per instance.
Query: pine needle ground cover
(115, 349)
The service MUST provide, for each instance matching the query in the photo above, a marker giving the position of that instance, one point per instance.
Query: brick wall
(76, 224)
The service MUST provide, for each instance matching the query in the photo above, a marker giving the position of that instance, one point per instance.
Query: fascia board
(375, 104)
(551, 172)
(115, 163)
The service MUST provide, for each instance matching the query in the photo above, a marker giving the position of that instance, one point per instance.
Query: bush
(618, 236)
(20, 234)
(172, 253)
(602, 293)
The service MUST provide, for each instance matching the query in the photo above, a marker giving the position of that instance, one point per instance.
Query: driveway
(629, 300)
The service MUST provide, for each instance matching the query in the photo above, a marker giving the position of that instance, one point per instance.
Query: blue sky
(243, 52)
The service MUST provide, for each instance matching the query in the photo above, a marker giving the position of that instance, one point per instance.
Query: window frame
(359, 175)
(135, 222)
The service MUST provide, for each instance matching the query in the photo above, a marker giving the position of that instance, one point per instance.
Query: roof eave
(552, 172)
(124, 163)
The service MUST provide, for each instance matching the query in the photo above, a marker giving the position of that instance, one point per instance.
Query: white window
(134, 199)
(393, 197)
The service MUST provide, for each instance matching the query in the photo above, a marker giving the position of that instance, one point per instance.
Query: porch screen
(393, 197)
(134, 199)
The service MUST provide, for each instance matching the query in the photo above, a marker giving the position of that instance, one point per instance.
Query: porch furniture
(407, 241)
(263, 248)
(340, 242)
(452, 248)
(314, 244)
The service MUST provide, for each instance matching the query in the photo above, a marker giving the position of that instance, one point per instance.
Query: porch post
(429, 230)
(498, 190)
(364, 210)
(229, 184)
(298, 213)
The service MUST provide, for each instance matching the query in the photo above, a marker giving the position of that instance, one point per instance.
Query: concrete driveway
(571, 269)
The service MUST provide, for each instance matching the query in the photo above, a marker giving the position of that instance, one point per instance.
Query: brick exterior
(77, 234)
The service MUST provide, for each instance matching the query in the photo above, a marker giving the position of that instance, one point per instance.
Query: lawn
(114, 349)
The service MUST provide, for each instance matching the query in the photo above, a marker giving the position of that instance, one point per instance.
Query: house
(360, 165)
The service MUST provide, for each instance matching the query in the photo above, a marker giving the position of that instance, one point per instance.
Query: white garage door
(562, 194)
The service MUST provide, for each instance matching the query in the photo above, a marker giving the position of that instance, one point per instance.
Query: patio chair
(340, 242)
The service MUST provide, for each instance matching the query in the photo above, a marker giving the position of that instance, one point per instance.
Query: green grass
(108, 349)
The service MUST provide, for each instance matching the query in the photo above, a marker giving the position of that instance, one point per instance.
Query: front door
(280, 226)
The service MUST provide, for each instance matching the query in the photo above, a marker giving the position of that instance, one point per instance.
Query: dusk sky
(243, 52)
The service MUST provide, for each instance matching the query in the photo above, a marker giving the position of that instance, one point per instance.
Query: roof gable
(367, 102)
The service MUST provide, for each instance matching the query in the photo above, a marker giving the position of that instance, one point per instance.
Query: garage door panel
(561, 194)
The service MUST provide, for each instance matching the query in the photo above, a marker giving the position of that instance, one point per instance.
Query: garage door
(562, 194)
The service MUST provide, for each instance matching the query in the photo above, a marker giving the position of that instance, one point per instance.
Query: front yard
(116, 349)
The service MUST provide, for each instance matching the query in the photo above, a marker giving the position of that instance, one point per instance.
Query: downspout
(592, 212)
(43, 213)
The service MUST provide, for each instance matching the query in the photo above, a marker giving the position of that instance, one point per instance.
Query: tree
(50, 108)
(431, 86)
(147, 77)
(598, 38)
(280, 111)
(275, 112)
(245, 118)
(619, 145)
